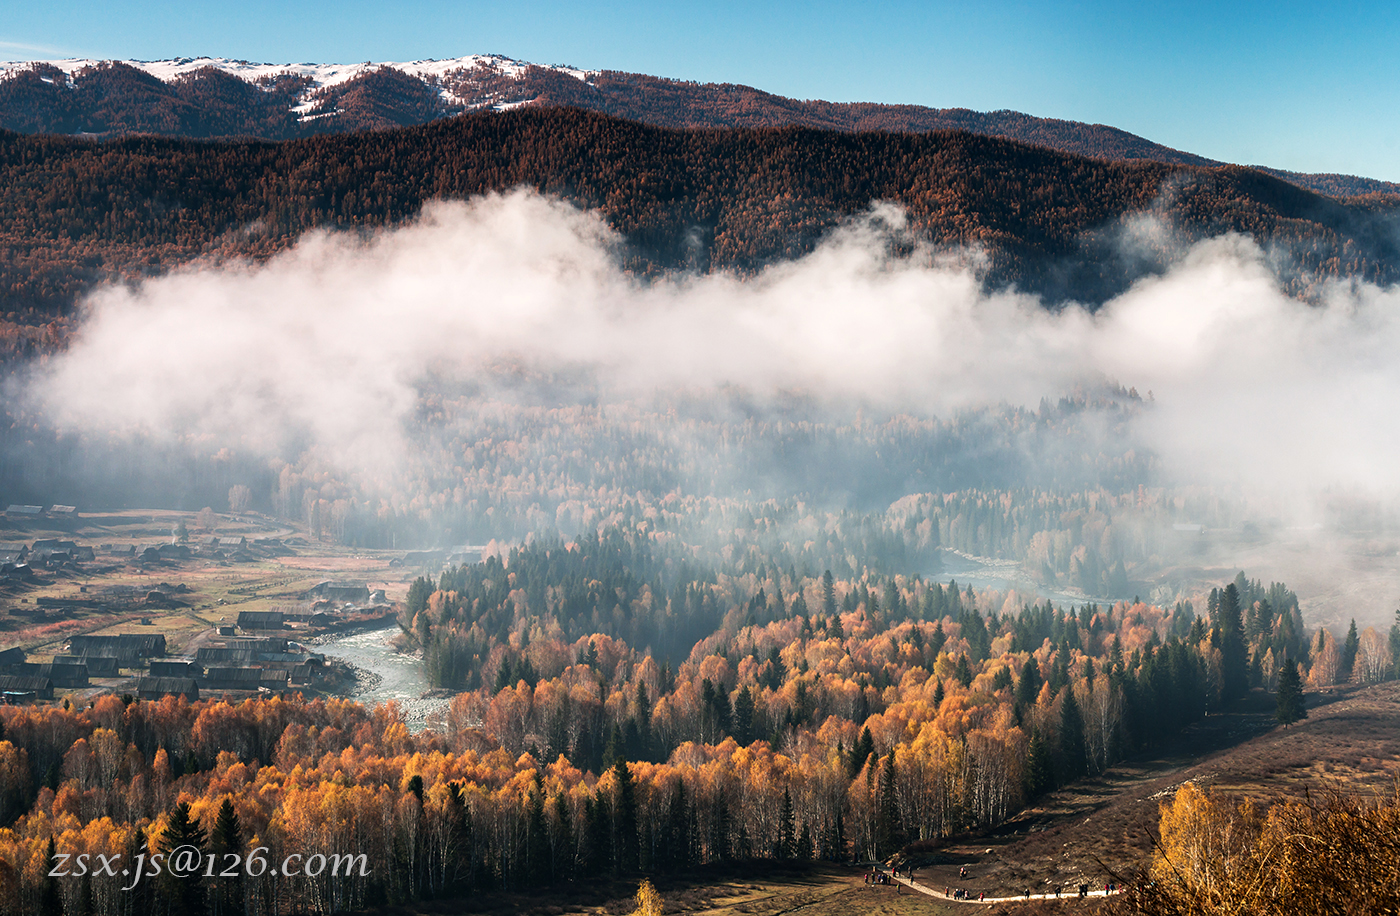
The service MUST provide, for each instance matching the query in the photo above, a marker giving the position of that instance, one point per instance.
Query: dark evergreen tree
(864, 747)
(613, 747)
(504, 676)
(418, 594)
(889, 829)
(974, 630)
(563, 841)
(1028, 686)
(184, 894)
(642, 705)
(724, 712)
(1265, 617)
(225, 841)
(1198, 632)
(598, 850)
(1395, 647)
(1073, 748)
(1291, 707)
(787, 828)
(625, 838)
(1040, 770)
(939, 638)
(538, 862)
(1234, 661)
(1059, 669)
(676, 833)
(83, 905)
(139, 900)
(893, 601)
(743, 716)
(1346, 664)
(719, 842)
(50, 899)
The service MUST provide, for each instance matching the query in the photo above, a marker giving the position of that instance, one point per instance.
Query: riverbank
(383, 673)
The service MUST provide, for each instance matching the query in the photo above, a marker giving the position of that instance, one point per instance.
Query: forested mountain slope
(208, 97)
(76, 212)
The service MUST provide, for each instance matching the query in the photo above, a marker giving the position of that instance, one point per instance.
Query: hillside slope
(212, 97)
(1103, 829)
(77, 212)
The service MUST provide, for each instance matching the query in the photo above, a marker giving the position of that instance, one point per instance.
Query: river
(1002, 575)
(385, 674)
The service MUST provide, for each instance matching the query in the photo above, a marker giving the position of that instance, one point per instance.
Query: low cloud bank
(332, 343)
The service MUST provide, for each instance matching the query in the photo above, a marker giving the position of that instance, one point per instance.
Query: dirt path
(1019, 898)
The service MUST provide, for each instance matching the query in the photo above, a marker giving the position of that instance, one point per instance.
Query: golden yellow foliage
(649, 902)
(1337, 856)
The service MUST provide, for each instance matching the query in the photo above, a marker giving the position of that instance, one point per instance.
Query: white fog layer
(333, 341)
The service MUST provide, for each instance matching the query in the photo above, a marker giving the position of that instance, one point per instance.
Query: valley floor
(1097, 831)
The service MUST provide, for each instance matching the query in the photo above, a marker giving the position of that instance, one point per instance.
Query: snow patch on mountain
(440, 73)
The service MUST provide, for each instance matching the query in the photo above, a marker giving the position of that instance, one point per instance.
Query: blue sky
(1304, 86)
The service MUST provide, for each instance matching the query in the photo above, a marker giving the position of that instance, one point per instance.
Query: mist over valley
(491, 369)
(537, 499)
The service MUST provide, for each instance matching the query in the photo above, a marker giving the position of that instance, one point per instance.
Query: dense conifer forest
(80, 212)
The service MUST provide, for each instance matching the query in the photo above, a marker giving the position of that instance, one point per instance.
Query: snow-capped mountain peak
(450, 77)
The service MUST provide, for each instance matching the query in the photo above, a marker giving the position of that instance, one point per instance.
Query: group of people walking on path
(879, 877)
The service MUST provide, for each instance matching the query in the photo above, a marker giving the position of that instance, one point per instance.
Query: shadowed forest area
(77, 213)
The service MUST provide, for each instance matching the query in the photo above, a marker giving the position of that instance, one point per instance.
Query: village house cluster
(262, 652)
